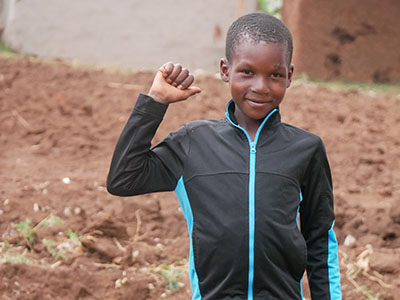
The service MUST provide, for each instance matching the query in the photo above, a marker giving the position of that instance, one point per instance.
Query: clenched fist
(172, 84)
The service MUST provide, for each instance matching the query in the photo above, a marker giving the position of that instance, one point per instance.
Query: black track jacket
(241, 199)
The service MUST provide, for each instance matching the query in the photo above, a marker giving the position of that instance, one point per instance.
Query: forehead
(259, 52)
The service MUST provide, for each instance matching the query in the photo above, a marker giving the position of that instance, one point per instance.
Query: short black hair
(258, 27)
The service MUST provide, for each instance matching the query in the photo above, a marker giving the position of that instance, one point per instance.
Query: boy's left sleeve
(317, 219)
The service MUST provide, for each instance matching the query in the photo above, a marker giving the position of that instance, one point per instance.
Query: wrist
(157, 97)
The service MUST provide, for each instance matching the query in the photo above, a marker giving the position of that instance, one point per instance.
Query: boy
(241, 181)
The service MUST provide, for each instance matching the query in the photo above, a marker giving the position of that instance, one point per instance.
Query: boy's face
(258, 76)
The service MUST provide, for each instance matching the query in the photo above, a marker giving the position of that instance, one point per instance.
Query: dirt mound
(65, 237)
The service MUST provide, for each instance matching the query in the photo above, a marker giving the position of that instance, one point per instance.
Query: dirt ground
(64, 237)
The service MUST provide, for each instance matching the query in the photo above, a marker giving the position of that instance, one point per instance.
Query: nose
(260, 85)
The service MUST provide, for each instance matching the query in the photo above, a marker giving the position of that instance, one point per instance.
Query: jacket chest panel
(216, 153)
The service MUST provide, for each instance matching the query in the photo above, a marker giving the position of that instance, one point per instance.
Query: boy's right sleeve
(135, 168)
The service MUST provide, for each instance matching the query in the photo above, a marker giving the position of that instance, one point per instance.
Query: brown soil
(59, 125)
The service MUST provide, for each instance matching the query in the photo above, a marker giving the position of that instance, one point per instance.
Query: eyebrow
(279, 66)
(246, 64)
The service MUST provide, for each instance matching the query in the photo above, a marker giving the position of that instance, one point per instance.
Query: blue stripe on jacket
(181, 193)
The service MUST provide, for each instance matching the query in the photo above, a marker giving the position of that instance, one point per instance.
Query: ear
(290, 75)
(224, 69)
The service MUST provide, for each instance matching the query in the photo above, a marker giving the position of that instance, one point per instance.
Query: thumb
(190, 91)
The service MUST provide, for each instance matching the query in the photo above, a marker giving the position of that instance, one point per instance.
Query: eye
(276, 75)
(247, 72)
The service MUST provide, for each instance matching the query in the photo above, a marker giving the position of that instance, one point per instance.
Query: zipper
(252, 183)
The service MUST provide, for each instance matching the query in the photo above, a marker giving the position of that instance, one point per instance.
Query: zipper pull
(253, 148)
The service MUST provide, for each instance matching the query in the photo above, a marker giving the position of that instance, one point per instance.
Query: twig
(362, 266)
(107, 266)
(120, 247)
(21, 120)
(42, 221)
(374, 278)
(56, 264)
(94, 232)
(138, 224)
(357, 286)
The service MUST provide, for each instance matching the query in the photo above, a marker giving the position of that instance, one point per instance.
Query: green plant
(5, 48)
(370, 294)
(52, 221)
(58, 254)
(172, 275)
(369, 88)
(8, 254)
(273, 7)
(73, 236)
(25, 229)
(17, 259)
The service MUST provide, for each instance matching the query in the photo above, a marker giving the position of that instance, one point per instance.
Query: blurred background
(333, 40)
(70, 73)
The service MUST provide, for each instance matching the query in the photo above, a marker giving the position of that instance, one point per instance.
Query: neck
(249, 125)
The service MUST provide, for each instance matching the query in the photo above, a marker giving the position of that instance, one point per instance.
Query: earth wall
(345, 39)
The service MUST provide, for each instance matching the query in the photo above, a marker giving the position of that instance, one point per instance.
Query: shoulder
(303, 138)
(195, 127)
(203, 124)
(300, 133)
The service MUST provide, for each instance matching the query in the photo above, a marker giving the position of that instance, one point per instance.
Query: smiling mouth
(259, 101)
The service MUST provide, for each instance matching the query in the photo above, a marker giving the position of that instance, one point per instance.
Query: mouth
(258, 102)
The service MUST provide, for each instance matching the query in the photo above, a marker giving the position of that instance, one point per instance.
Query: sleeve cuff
(146, 104)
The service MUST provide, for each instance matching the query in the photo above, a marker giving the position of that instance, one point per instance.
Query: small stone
(1, 212)
(77, 210)
(6, 202)
(372, 94)
(349, 240)
(66, 180)
(36, 207)
(101, 188)
(67, 211)
(135, 253)
(118, 283)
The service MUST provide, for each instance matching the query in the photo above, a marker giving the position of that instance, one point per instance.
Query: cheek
(238, 86)
(279, 87)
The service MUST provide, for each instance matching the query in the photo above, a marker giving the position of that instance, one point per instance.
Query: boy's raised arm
(135, 168)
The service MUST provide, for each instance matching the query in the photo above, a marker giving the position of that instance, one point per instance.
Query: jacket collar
(274, 120)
